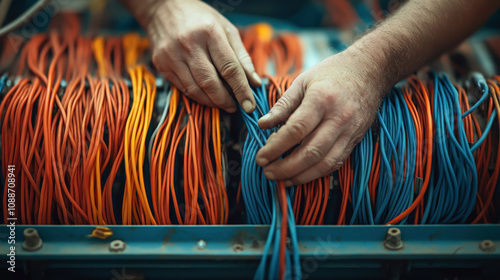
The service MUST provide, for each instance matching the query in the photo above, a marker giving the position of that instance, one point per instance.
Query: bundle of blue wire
(453, 187)
(362, 161)
(397, 139)
(261, 198)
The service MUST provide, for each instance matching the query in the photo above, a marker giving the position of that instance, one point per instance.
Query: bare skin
(192, 45)
(329, 107)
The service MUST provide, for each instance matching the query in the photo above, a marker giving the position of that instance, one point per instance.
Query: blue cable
(486, 131)
(261, 199)
(483, 86)
(453, 188)
(363, 156)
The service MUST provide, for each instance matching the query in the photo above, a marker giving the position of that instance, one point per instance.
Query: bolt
(201, 244)
(487, 246)
(117, 246)
(32, 241)
(238, 247)
(393, 239)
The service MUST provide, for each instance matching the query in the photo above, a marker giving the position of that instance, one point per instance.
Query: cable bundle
(281, 54)
(27, 141)
(79, 141)
(267, 202)
(136, 208)
(192, 153)
(422, 165)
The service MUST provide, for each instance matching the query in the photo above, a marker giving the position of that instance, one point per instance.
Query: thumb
(285, 106)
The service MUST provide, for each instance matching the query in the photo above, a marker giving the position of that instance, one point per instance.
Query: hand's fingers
(191, 88)
(230, 69)
(206, 77)
(234, 39)
(172, 77)
(311, 151)
(331, 162)
(302, 122)
(285, 106)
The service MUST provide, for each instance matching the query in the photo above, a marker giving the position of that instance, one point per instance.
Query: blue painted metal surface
(151, 251)
(246, 242)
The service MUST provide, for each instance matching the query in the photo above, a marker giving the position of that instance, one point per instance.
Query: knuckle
(313, 154)
(299, 180)
(329, 98)
(223, 100)
(208, 84)
(244, 57)
(298, 130)
(233, 30)
(345, 115)
(330, 165)
(229, 69)
(157, 59)
(169, 75)
(283, 173)
(208, 27)
(283, 104)
(192, 91)
(186, 39)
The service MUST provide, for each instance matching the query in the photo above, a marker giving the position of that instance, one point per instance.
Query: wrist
(144, 11)
(372, 66)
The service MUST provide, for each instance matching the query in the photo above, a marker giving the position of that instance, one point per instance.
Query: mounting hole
(30, 230)
(394, 230)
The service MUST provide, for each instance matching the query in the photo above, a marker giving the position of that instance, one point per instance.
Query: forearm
(142, 10)
(420, 31)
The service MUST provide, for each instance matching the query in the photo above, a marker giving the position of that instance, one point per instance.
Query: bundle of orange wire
(30, 145)
(72, 141)
(203, 199)
(135, 208)
(284, 51)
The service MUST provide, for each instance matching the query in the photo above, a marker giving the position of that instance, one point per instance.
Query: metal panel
(351, 252)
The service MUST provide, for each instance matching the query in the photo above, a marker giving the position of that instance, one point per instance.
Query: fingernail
(247, 106)
(262, 161)
(256, 77)
(288, 183)
(265, 117)
(269, 175)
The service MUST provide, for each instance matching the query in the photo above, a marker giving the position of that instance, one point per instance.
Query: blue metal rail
(194, 251)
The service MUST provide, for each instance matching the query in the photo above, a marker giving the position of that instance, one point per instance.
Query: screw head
(32, 241)
(393, 239)
(201, 244)
(487, 246)
(117, 246)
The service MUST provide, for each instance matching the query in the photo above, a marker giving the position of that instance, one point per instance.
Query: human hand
(329, 108)
(201, 53)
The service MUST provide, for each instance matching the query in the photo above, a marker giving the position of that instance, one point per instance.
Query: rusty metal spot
(168, 236)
